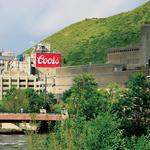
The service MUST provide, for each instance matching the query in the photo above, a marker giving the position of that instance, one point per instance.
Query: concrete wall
(104, 74)
(130, 56)
(145, 44)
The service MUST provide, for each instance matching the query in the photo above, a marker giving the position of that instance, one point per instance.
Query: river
(13, 142)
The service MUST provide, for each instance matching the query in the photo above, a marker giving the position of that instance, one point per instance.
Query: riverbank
(9, 128)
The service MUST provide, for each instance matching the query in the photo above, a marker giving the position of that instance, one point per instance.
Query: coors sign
(48, 60)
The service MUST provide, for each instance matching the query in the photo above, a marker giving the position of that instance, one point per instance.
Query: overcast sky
(25, 22)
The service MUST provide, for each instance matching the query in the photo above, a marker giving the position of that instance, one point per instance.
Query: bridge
(20, 117)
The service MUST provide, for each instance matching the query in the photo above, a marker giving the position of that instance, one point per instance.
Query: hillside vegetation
(87, 41)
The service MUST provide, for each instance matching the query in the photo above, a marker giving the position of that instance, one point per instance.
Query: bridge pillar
(46, 126)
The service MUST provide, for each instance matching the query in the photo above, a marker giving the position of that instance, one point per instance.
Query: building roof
(7, 57)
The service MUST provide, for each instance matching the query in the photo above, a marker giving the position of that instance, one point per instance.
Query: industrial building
(23, 72)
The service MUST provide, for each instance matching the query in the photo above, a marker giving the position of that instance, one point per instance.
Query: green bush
(140, 143)
(104, 133)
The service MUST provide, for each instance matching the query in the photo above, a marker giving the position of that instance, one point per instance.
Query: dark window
(31, 86)
(5, 85)
(5, 80)
(30, 80)
(14, 80)
(14, 85)
(22, 80)
(22, 85)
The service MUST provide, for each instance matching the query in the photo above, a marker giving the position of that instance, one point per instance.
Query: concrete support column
(18, 81)
(26, 81)
(34, 83)
(1, 87)
(9, 82)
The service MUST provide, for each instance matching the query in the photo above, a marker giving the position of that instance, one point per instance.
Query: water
(13, 142)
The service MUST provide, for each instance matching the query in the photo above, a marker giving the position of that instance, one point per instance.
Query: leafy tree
(104, 133)
(138, 143)
(39, 100)
(35, 101)
(134, 106)
(66, 94)
(100, 133)
(85, 100)
(28, 99)
(48, 101)
(14, 100)
(113, 92)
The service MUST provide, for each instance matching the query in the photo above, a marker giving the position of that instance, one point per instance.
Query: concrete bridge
(20, 117)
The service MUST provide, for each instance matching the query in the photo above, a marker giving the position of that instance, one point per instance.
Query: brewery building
(42, 69)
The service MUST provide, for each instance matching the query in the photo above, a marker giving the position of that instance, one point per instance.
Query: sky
(24, 23)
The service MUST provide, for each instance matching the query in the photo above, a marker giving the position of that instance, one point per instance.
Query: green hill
(87, 41)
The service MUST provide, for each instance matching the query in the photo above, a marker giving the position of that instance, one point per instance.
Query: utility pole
(45, 84)
(45, 91)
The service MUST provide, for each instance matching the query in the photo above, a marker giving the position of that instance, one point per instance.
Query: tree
(48, 101)
(28, 99)
(134, 106)
(35, 101)
(112, 92)
(104, 133)
(14, 100)
(38, 100)
(85, 100)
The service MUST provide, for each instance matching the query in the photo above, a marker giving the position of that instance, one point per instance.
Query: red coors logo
(48, 60)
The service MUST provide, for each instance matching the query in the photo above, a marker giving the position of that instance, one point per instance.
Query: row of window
(123, 50)
(15, 80)
(15, 85)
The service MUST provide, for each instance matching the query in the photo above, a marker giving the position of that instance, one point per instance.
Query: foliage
(104, 133)
(102, 128)
(84, 99)
(87, 41)
(14, 100)
(140, 143)
(66, 94)
(134, 106)
(66, 137)
(113, 92)
(48, 100)
(35, 142)
(28, 99)
(35, 101)
(77, 133)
